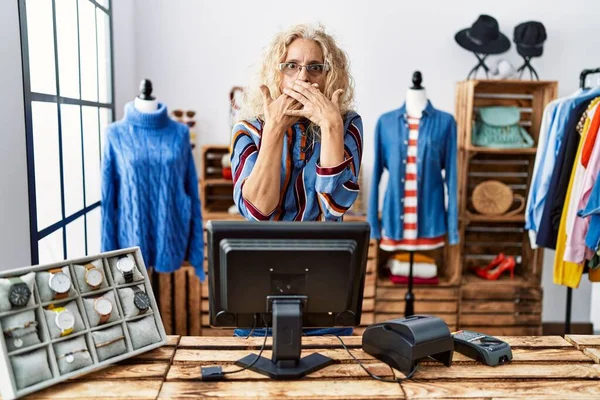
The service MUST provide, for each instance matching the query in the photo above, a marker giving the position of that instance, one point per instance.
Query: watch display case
(88, 317)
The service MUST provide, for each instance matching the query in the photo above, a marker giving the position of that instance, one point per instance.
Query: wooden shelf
(218, 181)
(469, 217)
(489, 150)
(470, 279)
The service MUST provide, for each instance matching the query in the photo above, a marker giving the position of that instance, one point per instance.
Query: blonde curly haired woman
(296, 155)
(298, 130)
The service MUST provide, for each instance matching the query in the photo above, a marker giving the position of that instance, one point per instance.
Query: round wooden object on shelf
(492, 198)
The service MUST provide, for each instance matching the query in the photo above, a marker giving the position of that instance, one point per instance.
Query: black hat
(529, 38)
(483, 36)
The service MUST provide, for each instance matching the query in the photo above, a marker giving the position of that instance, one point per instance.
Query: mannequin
(145, 102)
(416, 97)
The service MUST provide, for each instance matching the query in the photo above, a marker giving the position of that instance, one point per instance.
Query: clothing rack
(409, 298)
(582, 79)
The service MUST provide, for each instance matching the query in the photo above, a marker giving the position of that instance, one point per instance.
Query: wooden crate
(440, 301)
(216, 193)
(497, 308)
(501, 307)
(178, 296)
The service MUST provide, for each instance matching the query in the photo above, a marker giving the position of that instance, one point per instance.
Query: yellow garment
(418, 258)
(568, 273)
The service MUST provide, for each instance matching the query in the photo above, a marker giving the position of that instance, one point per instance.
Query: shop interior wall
(195, 51)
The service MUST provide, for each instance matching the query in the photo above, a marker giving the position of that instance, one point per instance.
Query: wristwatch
(103, 308)
(140, 300)
(64, 320)
(126, 265)
(60, 283)
(19, 293)
(93, 276)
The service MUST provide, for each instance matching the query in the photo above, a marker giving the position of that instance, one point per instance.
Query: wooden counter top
(544, 367)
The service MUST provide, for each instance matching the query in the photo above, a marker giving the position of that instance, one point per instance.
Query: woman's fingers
(266, 94)
(296, 95)
(335, 97)
(297, 113)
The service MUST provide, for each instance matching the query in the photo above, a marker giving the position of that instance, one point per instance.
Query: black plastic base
(305, 366)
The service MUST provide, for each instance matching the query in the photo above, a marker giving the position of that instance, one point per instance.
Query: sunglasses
(188, 113)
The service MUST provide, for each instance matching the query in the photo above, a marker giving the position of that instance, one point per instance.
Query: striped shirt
(309, 192)
(410, 241)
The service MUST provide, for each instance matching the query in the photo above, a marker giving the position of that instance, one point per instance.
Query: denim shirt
(436, 152)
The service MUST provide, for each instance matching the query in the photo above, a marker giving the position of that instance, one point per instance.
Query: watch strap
(60, 296)
(56, 270)
(66, 332)
(15, 280)
(128, 276)
(103, 319)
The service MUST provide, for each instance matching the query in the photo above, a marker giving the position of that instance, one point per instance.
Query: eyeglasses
(292, 69)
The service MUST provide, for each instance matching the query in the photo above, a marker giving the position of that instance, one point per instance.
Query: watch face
(60, 282)
(19, 295)
(125, 264)
(94, 277)
(103, 306)
(141, 301)
(65, 320)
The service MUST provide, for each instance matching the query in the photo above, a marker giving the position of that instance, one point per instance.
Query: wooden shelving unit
(216, 193)
(503, 307)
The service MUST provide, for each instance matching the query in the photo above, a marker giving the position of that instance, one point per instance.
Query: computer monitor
(290, 275)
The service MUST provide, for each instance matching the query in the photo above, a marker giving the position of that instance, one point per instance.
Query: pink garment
(398, 279)
(576, 250)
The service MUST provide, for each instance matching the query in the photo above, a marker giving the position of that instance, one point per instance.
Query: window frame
(58, 100)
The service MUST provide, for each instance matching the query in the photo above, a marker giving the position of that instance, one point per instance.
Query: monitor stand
(285, 362)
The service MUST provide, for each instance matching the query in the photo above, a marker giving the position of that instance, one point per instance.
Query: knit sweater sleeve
(196, 239)
(109, 193)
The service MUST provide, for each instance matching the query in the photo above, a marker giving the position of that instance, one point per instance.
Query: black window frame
(29, 97)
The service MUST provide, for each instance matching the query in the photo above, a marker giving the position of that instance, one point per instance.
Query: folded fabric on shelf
(403, 280)
(420, 269)
(417, 258)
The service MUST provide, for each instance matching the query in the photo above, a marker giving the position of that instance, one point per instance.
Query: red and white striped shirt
(410, 240)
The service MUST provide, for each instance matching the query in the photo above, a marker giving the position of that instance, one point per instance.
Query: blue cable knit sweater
(150, 191)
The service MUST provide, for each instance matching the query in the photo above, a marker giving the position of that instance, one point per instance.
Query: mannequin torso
(145, 106)
(416, 101)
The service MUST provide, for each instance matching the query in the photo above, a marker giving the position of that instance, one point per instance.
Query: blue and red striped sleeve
(245, 143)
(337, 187)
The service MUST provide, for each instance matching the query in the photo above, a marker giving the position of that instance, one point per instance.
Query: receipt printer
(402, 343)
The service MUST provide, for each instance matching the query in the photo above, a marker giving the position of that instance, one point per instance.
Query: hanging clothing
(436, 170)
(590, 126)
(411, 241)
(576, 250)
(567, 273)
(592, 210)
(150, 191)
(309, 192)
(557, 190)
(547, 153)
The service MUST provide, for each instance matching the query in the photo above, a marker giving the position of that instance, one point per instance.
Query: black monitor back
(249, 262)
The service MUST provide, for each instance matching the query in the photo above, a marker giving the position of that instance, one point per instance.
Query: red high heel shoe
(493, 274)
(494, 263)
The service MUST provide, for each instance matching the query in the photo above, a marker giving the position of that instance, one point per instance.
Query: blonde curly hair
(338, 76)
